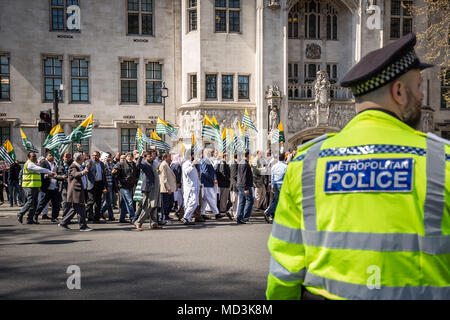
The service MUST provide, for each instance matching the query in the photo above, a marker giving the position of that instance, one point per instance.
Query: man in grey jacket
(150, 190)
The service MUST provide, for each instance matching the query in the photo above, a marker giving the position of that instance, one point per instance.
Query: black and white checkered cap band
(390, 73)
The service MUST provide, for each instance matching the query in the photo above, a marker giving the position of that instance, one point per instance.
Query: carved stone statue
(273, 118)
(273, 91)
(322, 97)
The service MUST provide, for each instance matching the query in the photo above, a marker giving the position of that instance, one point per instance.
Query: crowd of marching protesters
(145, 186)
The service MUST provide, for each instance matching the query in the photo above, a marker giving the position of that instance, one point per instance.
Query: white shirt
(52, 185)
(190, 177)
(34, 167)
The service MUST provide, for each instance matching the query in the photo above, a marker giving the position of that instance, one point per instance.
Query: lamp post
(164, 95)
(55, 102)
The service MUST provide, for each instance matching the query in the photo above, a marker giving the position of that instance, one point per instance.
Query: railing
(306, 92)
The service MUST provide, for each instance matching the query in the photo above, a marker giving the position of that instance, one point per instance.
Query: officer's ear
(398, 92)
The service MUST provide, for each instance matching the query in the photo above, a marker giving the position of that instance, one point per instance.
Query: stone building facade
(215, 56)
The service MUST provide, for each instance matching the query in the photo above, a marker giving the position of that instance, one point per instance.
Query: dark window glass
(335, 26)
(329, 27)
(57, 2)
(221, 3)
(295, 27)
(243, 87)
(312, 26)
(133, 5)
(227, 87)
(235, 3)
(128, 69)
(335, 72)
(192, 3)
(147, 5)
(4, 134)
(192, 20)
(395, 27)
(290, 26)
(407, 26)
(193, 83)
(52, 77)
(395, 7)
(80, 87)
(221, 23)
(4, 78)
(289, 70)
(153, 70)
(406, 8)
(235, 21)
(153, 92)
(133, 23)
(129, 91)
(58, 14)
(295, 70)
(445, 88)
(147, 24)
(211, 86)
(128, 140)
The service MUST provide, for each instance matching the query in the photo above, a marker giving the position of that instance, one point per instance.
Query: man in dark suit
(77, 183)
(50, 188)
(96, 185)
(63, 170)
(245, 188)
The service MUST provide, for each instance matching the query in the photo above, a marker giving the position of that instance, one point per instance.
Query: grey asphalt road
(212, 260)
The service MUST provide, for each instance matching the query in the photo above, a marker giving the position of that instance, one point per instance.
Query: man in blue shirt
(277, 175)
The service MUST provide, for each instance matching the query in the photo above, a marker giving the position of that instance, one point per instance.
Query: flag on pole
(240, 141)
(209, 130)
(140, 140)
(232, 143)
(27, 143)
(155, 140)
(225, 140)
(281, 132)
(55, 138)
(246, 120)
(183, 149)
(7, 152)
(83, 131)
(247, 138)
(162, 127)
(195, 145)
(59, 151)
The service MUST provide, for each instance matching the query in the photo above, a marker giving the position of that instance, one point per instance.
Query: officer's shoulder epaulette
(309, 144)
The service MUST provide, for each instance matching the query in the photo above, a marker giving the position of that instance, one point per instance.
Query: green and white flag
(138, 195)
(209, 130)
(140, 140)
(162, 127)
(83, 131)
(275, 136)
(246, 120)
(27, 143)
(55, 138)
(7, 152)
(155, 140)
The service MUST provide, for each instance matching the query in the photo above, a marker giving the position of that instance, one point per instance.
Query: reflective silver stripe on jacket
(357, 291)
(309, 186)
(283, 274)
(381, 242)
(433, 210)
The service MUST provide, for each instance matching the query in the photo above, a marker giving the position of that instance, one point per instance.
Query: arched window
(312, 19)
(293, 19)
(331, 23)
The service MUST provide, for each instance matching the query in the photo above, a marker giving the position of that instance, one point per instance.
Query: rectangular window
(311, 71)
(128, 82)
(192, 15)
(244, 86)
(193, 86)
(445, 88)
(5, 79)
(153, 82)
(140, 17)
(293, 72)
(52, 77)
(79, 81)
(4, 134)
(128, 140)
(211, 86)
(332, 72)
(401, 18)
(59, 15)
(228, 15)
(227, 87)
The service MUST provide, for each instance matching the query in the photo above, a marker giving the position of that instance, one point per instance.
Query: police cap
(384, 65)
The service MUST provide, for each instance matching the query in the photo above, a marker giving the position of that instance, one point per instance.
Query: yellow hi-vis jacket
(30, 179)
(364, 214)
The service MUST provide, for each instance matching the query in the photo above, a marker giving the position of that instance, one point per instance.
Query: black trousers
(167, 204)
(94, 202)
(80, 210)
(55, 197)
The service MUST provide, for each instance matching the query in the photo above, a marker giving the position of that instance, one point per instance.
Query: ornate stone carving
(273, 91)
(313, 51)
(322, 97)
(427, 121)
